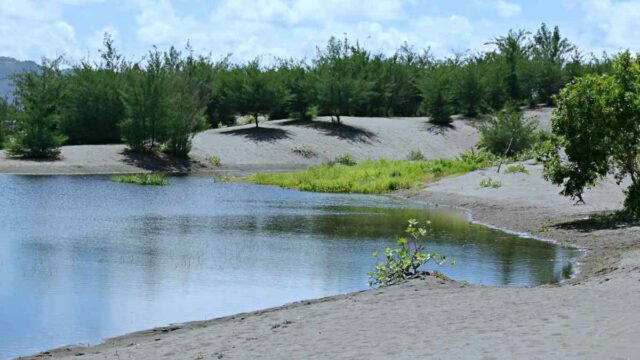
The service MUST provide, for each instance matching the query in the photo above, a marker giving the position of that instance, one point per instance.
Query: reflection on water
(82, 258)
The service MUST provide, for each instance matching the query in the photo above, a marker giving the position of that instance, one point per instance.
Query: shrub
(489, 183)
(305, 151)
(142, 179)
(345, 159)
(404, 262)
(507, 133)
(214, 160)
(415, 155)
(516, 169)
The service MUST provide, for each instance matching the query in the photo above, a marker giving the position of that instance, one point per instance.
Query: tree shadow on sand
(607, 221)
(159, 162)
(261, 134)
(341, 131)
(439, 129)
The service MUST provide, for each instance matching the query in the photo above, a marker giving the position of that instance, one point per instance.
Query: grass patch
(214, 160)
(415, 155)
(489, 183)
(516, 169)
(142, 179)
(369, 177)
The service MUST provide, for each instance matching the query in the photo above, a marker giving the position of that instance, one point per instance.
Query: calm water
(83, 258)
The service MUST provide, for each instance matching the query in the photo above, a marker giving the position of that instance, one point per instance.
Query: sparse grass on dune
(142, 179)
(371, 176)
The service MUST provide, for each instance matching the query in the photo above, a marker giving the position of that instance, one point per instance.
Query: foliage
(142, 179)
(415, 155)
(507, 133)
(38, 96)
(91, 106)
(214, 160)
(255, 91)
(516, 169)
(597, 132)
(305, 151)
(489, 183)
(404, 262)
(437, 97)
(370, 176)
(345, 159)
(342, 85)
(5, 111)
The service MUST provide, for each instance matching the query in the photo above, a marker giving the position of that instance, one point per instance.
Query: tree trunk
(255, 118)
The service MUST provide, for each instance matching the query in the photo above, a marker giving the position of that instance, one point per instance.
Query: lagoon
(83, 258)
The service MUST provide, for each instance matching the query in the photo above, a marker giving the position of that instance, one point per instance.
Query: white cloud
(610, 25)
(293, 28)
(504, 8)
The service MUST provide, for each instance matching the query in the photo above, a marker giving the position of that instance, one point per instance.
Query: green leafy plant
(415, 155)
(489, 183)
(305, 151)
(507, 133)
(214, 160)
(345, 159)
(516, 169)
(142, 179)
(404, 262)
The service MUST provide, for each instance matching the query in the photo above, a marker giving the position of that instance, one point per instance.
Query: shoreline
(611, 270)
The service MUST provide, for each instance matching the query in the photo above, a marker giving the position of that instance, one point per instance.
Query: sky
(31, 29)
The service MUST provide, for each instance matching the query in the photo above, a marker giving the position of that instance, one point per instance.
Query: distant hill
(9, 66)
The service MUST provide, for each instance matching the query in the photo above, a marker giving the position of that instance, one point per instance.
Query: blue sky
(30, 29)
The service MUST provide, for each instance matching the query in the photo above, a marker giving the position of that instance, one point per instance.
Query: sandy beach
(595, 315)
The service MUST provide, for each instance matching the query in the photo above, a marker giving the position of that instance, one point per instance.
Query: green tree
(549, 52)
(301, 88)
(38, 97)
(597, 132)
(437, 95)
(255, 91)
(513, 50)
(186, 97)
(340, 86)
(146, 105)
(470, 92)
(4, 117)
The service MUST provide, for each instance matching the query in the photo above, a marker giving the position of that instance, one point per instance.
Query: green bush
(214, 160)
(305, 151)
(404, 262)
(345, 159)
(142, 179)
(415, 155)
(507, 130)
(489, 183)
(516, 169)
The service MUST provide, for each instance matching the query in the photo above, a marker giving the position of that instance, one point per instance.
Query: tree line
(158, 103)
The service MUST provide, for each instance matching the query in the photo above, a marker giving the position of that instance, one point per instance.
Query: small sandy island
(595, 315)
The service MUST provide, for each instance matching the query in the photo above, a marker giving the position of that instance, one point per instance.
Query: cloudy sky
(30, 29)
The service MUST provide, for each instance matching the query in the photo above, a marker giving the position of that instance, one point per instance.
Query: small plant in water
(516, 169)
(142, 179)
(305, 151)
(405, 261)
(415, 155)
(214, 160)
(489, 183)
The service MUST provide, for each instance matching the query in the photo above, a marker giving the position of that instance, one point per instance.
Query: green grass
(516, 169)
(142, 179)
(371, 176)
(488, 183)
